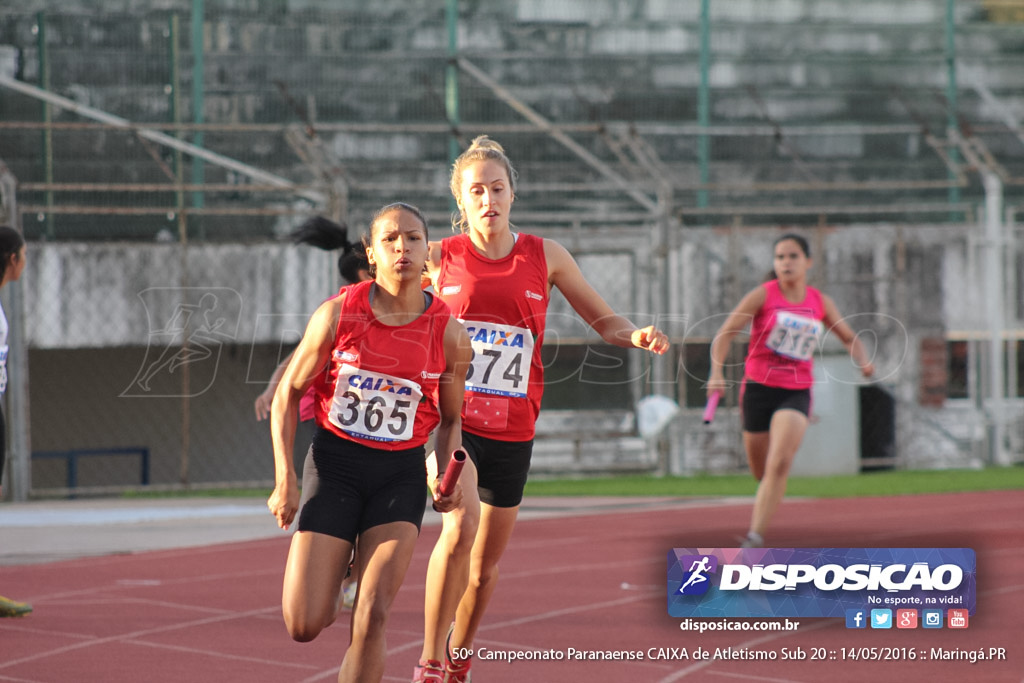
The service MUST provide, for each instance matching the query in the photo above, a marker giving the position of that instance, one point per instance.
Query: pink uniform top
(381, 387)
(307, 405)
(784, 338)
(503, 304)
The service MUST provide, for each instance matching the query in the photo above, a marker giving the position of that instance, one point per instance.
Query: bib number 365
(374, 405)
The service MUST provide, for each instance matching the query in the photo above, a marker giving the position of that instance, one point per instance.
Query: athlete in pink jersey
(388, 364)
(497, 282)
(787, 318)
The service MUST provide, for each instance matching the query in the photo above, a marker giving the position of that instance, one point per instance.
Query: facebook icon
(856, 618)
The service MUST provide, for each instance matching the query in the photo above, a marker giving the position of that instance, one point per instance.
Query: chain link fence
(143, 363)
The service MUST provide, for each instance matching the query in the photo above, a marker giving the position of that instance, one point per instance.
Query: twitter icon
(881, 618)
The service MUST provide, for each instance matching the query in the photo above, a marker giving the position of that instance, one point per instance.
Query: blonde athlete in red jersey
(497, 281)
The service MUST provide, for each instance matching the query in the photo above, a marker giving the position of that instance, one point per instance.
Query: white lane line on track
(138, 634)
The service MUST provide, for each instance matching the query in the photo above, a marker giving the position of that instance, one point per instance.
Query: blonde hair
(481, 149)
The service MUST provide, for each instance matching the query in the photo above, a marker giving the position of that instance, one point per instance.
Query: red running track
(594, 581)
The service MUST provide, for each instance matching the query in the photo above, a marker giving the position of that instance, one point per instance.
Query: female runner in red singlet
(388, 363)
(325, 234)
(497, 282)
(787, 318)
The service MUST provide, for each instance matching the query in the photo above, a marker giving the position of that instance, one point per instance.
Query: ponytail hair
(325, 234)
(11, 242)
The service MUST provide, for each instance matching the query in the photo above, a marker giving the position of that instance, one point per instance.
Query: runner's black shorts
(501, 468)
(348, 487)
(759, 403)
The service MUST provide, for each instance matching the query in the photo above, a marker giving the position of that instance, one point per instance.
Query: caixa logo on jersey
(816, 582)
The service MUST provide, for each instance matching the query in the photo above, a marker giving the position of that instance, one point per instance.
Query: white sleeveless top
(3, 350)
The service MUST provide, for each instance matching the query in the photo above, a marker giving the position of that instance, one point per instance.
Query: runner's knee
(302, 628)
(778, 466)
(371, 618)
(485, 575)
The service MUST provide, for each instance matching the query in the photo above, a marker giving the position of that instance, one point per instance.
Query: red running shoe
(455, 670)
(428, 671)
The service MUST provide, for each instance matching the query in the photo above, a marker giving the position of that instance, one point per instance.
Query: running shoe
(13, 608)
(458, 672)
(752, 540)
(455, 670)
(428, 670)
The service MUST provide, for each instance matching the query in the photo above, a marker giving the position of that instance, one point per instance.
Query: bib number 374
(501, 358)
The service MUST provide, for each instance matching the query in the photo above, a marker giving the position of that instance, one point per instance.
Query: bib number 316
(794, 336)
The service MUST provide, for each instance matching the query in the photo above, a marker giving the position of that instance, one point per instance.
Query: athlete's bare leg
(312, 583)
(448, 570)
(496, 525)
(784, 438)
(386, 552)
(755, 444)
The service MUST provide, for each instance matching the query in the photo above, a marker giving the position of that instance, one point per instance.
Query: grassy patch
(886, 483)
(890, 483)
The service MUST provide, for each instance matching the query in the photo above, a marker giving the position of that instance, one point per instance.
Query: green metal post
(174, 54)
(451, 80)
(47, 117)
(198, 169)
(703, 100)
(951, 97)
